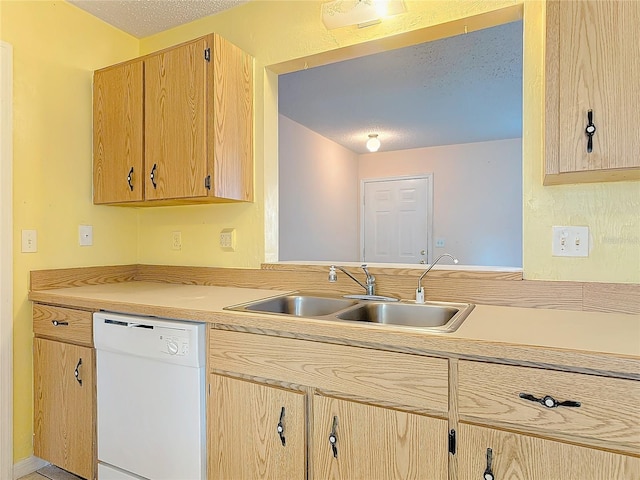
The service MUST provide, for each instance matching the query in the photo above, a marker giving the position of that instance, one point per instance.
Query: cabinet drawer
(608, 415)
(386, 378)
(66, 324)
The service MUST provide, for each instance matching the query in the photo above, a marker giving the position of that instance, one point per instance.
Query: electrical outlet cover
(85, 235)
(228, 239)
(176, 240)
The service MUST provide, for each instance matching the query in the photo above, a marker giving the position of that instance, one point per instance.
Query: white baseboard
(27, 466)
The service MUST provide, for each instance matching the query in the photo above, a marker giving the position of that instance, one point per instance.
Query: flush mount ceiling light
(342, 13)
(373, 144)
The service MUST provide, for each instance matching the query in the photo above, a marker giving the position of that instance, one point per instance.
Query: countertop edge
(378, 337)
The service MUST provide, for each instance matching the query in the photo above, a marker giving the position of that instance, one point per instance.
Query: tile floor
(50, 472)
(33, 476)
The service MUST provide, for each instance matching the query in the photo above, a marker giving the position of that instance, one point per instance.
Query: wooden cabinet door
(118, 134)
(515, 456)
(64, 409)
(231, 122)
(244, 441)
(176, 121)
(375, 443)
(592, 65)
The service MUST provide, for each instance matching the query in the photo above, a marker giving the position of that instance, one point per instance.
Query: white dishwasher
(151, 398)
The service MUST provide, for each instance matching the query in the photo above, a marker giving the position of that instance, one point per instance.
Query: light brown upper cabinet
(592, 71)
(118, 132)
(175, 126)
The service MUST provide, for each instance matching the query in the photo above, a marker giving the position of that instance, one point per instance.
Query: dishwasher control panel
(171, 341)
(174, 345)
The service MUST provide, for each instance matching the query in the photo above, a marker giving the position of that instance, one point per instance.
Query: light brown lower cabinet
(64, 406)
(356, 441)
(494, 454)
(255, 431)
(259, 431)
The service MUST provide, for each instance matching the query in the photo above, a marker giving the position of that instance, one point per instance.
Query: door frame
(6, 260)
(429, 220)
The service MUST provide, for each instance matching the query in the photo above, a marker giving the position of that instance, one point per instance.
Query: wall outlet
(176, 240)
(570, 241)
(85, 235)
(29, 241)
(440, 242)
(228, 239)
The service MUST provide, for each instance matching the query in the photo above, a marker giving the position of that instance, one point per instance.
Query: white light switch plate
(570, 241)
(29, 241)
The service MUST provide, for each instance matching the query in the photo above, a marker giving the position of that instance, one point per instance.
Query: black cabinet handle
(549, 402)
(56, 323)
(153, 175)
(333, 438)
(130, 179)
(488, 473)
(590, 131)
(77, 372)
(280, 427)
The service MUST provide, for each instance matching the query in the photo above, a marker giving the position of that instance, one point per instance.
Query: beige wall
(56, 48)
(318, 214)
(477, 196)
(266, 29)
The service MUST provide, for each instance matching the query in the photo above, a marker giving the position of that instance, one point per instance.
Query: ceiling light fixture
(373, 144)
(342, 13)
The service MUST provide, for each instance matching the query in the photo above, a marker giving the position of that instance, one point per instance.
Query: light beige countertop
(583, 341)
(615, 333)
(202, 298)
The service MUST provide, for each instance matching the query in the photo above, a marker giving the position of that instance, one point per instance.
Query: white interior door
(396, 220)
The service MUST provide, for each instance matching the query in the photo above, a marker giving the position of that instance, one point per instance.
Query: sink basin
(299, 305)
(430, 316)
(433, 315)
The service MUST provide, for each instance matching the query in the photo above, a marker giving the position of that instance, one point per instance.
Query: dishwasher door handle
(139, 325)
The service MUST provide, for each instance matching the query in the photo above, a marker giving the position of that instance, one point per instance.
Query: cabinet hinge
(452, 442)
(207, 54)
(207, 182)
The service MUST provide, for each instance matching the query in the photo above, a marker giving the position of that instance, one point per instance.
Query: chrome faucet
(420, 290)
(369, 287)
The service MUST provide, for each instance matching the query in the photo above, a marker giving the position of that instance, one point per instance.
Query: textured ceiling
(461, 89)
(142, 18)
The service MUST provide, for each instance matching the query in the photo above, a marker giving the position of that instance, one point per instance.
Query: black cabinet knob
(280, 428)
(590, 130)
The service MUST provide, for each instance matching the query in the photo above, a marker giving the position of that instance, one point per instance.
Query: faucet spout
(420, 290)
(369, 287)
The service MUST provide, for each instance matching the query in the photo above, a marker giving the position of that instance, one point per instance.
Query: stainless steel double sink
(429, 316)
